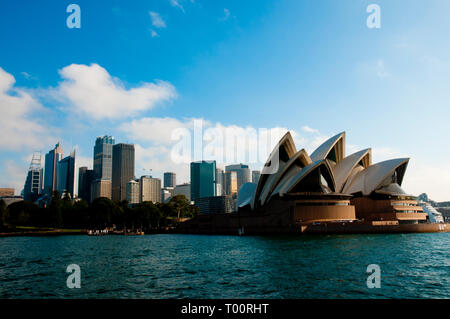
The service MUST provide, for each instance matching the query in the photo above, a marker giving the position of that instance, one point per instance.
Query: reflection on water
(196, 266)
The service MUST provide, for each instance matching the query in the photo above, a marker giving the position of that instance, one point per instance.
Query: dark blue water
(180, 266)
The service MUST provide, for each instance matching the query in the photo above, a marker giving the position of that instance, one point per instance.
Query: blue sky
(312, 67)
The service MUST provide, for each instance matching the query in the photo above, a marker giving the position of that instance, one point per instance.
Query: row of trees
(101, 213)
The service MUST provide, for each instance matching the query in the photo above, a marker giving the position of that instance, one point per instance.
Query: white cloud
(14, 175)
(154, 33)
(381, 69)
(157, 21)
(309, 129)
(177, 4)
(156, 146)
(374, 68)
(91, 90)
(226, 13)
(20, 123)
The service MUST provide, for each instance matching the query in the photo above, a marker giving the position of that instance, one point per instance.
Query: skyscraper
(203, 179)
(150, 189)
(101, 188)
(242, 172)
(255, 177)
(103, 152)
(33, 183)
(133, 192)
(66, 175)
(220, 187)
(51, 165)
(183, 189)
(231, 182)
(122, 169)
(85, 178)
(170, 179)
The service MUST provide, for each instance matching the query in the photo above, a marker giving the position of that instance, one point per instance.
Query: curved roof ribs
(279, 156)
(300, 160)
(344, 169)
(371, 178)
(332, 149)
(290, 182)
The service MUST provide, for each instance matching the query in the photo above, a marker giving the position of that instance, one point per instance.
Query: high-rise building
(219, 182)
(101, 188)
(231, 183)
(203, 179)
(33, 183)
(183, 189)
(170, 179)
(150, 189)
(133, 192)
(243, 173)
(122, 169)
(215, 204)
(51, 166)
(103, 153)
(85, 178)
(255, 177)
(66, 175)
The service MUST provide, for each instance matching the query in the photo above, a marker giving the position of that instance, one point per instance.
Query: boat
(433, 215)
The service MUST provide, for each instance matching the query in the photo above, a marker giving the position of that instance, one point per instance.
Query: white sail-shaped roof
(246, 194)
(371, 178)
(344, 168)
(289, 182)
(336, 143)
(280, 155)
(295, 163)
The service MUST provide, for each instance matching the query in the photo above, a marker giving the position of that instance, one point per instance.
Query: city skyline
(388, 86)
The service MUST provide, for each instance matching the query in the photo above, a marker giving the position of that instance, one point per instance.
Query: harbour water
(196, 266)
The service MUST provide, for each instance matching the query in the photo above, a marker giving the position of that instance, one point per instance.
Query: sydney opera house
(325, 192)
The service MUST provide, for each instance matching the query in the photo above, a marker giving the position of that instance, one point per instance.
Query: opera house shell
(327, 191)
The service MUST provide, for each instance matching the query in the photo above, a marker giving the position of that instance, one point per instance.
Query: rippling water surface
(196, 266)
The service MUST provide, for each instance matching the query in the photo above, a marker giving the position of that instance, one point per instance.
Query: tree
(182, 207)
(103, 211)
(55, 210)
(22, 213)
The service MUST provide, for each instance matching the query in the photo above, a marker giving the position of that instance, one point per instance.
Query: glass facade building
(66, 175)
(103, 153)
(203, 179)
(122, 169)
(51, 166)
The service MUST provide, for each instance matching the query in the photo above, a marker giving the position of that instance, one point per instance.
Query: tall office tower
(183, 189)
(51, 166)
(219, 182)
(243, 173)
(255, 177)
(85, 178)
(33, 183)
(203, 179)
(122, 169)
(231, 182)
(133, 192)
(101, 188)
(170, 179)
(150, 189)
(66, 175)
(103, 152)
